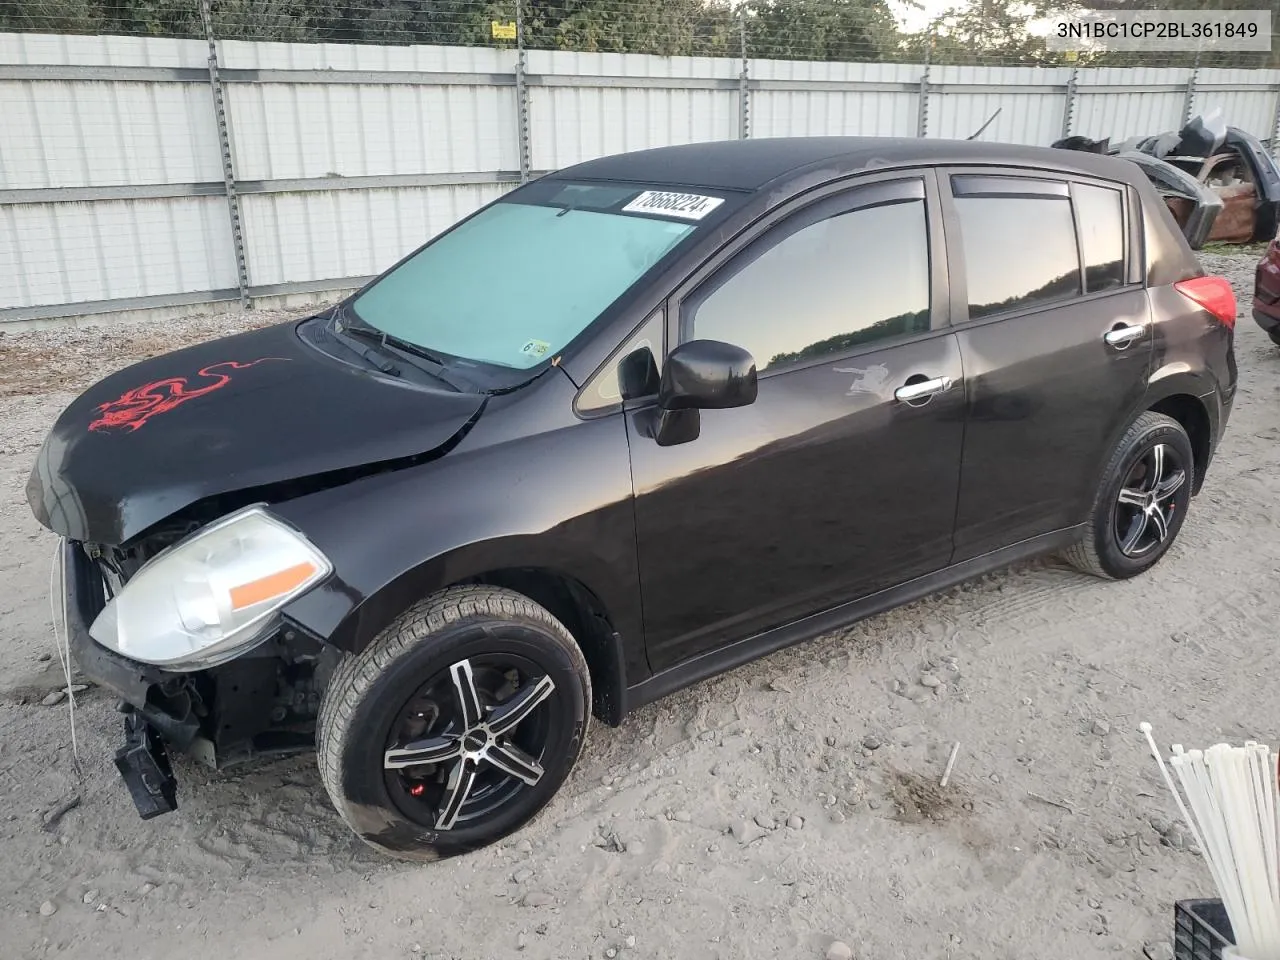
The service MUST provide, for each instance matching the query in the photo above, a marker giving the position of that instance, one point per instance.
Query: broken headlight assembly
(212, 596)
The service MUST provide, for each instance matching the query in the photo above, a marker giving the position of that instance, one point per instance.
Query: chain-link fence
(945, 32)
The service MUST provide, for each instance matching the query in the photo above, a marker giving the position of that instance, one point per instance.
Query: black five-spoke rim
(469, 740)
(1146, 504)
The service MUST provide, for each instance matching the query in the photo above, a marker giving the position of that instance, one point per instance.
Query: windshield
(518, 281)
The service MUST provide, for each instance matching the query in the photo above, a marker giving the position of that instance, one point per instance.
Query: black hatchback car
(629, 426)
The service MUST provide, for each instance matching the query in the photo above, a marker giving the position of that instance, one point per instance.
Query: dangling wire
(62, 642)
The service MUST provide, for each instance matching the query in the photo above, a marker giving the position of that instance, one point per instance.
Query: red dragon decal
(135, 407)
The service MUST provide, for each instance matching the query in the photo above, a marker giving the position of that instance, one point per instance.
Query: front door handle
(916, 392)
(1121, 337)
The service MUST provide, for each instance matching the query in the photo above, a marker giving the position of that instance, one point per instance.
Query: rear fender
(1173, 380)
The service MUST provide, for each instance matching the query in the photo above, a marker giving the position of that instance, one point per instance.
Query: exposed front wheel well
(1189, 411)
(584, 616)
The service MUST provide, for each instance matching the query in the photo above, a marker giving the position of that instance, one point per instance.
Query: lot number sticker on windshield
(686, 206)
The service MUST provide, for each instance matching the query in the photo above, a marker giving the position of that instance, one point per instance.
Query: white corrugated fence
(344, 157)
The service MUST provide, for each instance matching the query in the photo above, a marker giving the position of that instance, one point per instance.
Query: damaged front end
(261, 700)
(178, 573)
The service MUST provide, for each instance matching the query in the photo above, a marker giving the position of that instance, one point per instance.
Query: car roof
(750, 165)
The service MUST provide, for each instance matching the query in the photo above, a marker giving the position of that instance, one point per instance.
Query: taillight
(1212, 293)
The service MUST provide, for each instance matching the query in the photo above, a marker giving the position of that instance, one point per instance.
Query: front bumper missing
(143, 761)
(260, 704)
(132, 681)
(144, 766)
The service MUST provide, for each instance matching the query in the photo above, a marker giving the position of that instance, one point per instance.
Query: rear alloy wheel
(456, 726)
(1142, 501)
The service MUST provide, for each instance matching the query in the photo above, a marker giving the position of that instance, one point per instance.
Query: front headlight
(211, 596)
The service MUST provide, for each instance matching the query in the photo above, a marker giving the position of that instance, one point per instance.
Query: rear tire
(1141, 502)
(456, 726)
(1275, 336)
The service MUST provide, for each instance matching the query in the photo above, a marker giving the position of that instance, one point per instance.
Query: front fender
(559, 501)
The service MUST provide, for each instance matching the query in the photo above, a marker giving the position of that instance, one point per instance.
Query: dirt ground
(790, 803)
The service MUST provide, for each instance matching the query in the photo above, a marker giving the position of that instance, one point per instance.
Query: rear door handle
(1121, 337)
(915, 392)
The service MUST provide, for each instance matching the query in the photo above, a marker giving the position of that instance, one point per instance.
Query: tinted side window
(820, 289)
(1018, 251)
(1100, 215)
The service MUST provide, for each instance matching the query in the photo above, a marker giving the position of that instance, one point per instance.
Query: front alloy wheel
(456, 726)
(468, 741)
(1141, 502)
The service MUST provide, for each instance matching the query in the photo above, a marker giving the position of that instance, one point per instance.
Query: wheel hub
(1145, 506)
(477, 740)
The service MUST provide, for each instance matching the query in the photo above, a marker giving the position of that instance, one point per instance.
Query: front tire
(1142, 500)
(456, 725)
(1275, 336)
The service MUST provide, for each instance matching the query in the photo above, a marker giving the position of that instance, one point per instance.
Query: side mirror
(700, 375)
(707, 375)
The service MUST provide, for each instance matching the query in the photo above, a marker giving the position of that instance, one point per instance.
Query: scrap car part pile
(1219, 182)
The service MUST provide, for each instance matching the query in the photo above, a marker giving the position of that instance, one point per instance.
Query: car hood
(234, 414)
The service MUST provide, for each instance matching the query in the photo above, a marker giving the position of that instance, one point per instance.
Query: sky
(914, 18)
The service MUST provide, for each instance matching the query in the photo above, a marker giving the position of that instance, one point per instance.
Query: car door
(841, 478)
(1056, 356)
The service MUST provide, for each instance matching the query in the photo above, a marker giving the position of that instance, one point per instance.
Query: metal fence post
(522, 98)
(1189, 103)
(922, 106)
(1069, 108)
(744, 90)
(224, 144)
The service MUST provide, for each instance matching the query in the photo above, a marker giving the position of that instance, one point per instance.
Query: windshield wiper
(380, 363)
(417, 356)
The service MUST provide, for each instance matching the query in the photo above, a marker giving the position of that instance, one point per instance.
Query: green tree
(857, 30)
(991, 32)
(50, 16)
(664, 27)
(256, 19)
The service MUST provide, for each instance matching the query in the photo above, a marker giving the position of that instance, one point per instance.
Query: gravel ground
(766, 813)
